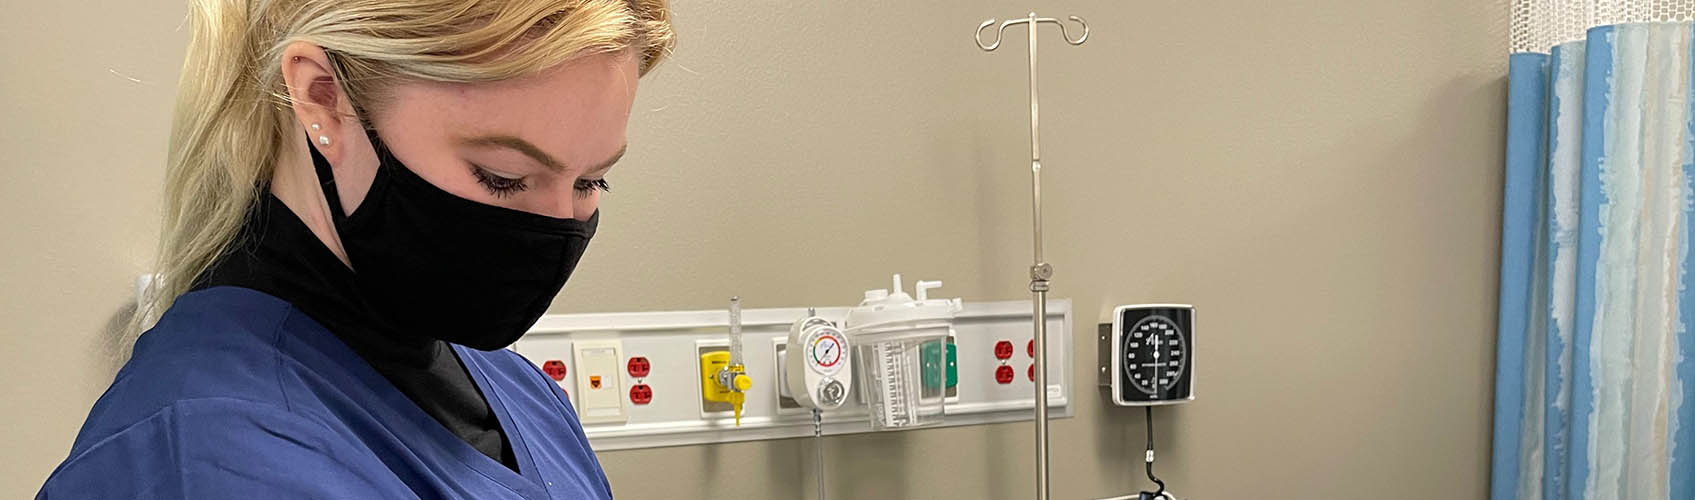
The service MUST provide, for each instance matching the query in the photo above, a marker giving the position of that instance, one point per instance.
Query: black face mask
(433, 264)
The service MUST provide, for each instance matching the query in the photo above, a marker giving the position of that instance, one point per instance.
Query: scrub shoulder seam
(226, 402)
(277, 355)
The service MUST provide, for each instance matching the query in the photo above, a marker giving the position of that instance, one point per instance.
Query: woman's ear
(325, 114)
(320, 105)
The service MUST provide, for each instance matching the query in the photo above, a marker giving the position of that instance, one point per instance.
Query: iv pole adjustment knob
(1042, 271)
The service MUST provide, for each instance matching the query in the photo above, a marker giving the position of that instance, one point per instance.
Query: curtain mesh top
(1540, 24)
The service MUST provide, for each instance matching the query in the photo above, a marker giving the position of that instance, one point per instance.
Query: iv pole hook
(1066, 33)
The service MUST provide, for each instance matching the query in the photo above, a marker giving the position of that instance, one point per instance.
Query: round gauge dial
(1155, 354)
(825, 350)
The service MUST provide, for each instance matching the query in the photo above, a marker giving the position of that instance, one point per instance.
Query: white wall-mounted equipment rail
(664, 348)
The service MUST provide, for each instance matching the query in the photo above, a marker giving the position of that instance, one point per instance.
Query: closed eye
(586, 187)
(498, 185)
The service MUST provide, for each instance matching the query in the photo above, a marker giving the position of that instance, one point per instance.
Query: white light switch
(600, 392)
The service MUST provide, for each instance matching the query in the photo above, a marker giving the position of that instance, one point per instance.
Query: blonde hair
(233, 118)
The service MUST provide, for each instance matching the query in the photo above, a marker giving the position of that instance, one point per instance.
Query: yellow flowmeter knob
(743, 383)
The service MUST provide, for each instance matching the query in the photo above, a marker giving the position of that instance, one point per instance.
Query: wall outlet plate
(600, 376)
(786, 404)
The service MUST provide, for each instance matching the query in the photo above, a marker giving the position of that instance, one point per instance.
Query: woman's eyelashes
(501, 186)
(497, 185)
(585, 187)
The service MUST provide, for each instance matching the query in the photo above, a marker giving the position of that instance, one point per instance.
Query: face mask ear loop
(326, 174)
(326, 182)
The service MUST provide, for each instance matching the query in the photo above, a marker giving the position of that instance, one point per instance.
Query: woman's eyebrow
(535, 153)
(515, 144)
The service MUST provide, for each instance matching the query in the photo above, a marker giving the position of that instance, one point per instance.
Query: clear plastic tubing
(735, 331)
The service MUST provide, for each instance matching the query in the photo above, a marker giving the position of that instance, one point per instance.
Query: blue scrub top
(236, 394)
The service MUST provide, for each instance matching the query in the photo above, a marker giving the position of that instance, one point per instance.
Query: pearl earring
(324, 140)
(315, 127)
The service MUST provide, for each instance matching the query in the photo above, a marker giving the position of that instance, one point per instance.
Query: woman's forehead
(579, 108)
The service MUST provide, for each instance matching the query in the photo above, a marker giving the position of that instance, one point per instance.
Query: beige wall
(1321, 178)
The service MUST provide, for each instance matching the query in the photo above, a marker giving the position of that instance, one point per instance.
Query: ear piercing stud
(322, 139)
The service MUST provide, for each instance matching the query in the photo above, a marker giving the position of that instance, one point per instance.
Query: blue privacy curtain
(1595, 380)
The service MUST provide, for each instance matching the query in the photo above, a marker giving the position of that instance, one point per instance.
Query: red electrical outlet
(1003, 349)
(641, 394)
(639, 367)
(1032, 372)
(1003, 374)
(555, 369)
(1030, 348)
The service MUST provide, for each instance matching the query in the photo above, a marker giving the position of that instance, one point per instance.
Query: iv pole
(1040, 270)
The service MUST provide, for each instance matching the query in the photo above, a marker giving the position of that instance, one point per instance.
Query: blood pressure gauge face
(1155, 354)
(824, 350)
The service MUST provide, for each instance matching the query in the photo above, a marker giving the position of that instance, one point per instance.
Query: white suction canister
(899, 343)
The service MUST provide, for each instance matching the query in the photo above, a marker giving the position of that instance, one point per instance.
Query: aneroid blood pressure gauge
(1147, 354)
(1155, 354)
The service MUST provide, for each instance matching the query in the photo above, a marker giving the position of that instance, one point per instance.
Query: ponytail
(226, 130)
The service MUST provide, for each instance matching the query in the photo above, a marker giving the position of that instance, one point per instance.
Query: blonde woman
(366, 201)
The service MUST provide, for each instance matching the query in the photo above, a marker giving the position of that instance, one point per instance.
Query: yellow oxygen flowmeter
(723, 377)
